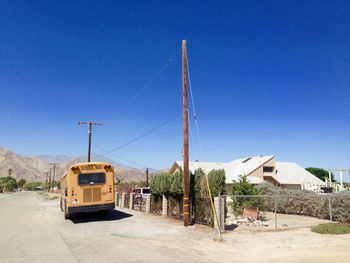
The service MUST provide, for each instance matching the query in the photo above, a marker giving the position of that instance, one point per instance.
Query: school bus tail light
(108, 168)
(75, 170)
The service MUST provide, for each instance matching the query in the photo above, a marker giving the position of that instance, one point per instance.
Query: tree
(243, 187)
(21, 182)
(320, 173)
(217, 182)
(195, 183)
(176, 181)
(7, 184)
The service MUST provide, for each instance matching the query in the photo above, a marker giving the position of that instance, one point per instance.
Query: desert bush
(341, 206)
(303, 202)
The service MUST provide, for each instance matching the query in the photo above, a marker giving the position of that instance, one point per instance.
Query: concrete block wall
(148, 203)
(131, 201)
(122, 203)
(164, 206)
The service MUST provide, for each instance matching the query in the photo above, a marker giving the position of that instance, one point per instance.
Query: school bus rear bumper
(90, 208)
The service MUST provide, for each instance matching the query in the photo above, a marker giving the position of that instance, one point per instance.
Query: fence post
(164, 206)
(131, 201)
(219, 207)
(123, 200)
(275, 201)
(148, 203)
(330, 208)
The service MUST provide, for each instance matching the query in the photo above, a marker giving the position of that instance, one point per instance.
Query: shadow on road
(94, 217)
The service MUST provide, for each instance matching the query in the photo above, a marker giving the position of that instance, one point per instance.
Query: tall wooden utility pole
(54, 173)
(90, 124)
(186, 185)
(48, 189)
(46, 180)
(147, 170)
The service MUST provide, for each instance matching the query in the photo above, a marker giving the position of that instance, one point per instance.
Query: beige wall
(259, 172)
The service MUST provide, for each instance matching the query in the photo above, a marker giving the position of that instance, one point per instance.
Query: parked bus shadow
(113, 215)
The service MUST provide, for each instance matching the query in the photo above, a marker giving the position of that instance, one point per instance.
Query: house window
(268, 169)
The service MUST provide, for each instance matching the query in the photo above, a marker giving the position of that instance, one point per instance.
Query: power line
(192, 137)
(167, 63)
(122, 158)
(194, 107)
(117, 156)
(142, 135)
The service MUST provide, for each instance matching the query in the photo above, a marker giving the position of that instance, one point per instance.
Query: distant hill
(35, 168)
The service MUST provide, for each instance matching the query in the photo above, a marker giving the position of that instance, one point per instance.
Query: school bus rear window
(94, 178)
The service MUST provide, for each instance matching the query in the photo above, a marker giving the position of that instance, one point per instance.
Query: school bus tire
(66, 214)
(61, 205)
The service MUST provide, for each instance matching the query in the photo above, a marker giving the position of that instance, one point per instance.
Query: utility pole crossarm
(90, 123)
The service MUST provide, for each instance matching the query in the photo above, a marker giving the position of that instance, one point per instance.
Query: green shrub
(176, 184)
(167, 184)
(31, 186)
(7, 184)
(331, 228)
(217, 182)
(243, 187)
(21, 183)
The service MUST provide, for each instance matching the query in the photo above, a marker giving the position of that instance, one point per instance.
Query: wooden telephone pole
(186, 185)
(48, 189)
(46, 180)
(90, 124)
(147, 171)
(54, 172)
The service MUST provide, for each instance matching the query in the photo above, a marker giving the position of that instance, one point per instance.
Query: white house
(259, 169)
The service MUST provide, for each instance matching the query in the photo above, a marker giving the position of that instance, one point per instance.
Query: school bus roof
(86, 163)
(89, 163)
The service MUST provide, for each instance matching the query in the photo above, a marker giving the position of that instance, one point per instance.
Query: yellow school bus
(87, 187)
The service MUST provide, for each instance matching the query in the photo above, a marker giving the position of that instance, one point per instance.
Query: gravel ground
(33, 229)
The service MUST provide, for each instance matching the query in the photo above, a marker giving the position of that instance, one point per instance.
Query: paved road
(33, 230)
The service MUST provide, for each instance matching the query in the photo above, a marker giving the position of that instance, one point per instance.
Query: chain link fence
(276, 212)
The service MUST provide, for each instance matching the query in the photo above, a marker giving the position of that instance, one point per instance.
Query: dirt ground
(284, 222)
(33, 229)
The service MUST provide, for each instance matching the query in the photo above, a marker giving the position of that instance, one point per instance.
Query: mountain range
(35, 168)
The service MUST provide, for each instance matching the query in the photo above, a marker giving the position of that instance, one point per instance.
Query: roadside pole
(186, 191)
(275, 200)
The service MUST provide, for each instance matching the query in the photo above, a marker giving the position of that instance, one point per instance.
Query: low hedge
(303, 202)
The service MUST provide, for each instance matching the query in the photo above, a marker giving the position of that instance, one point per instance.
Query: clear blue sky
(269, 77)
